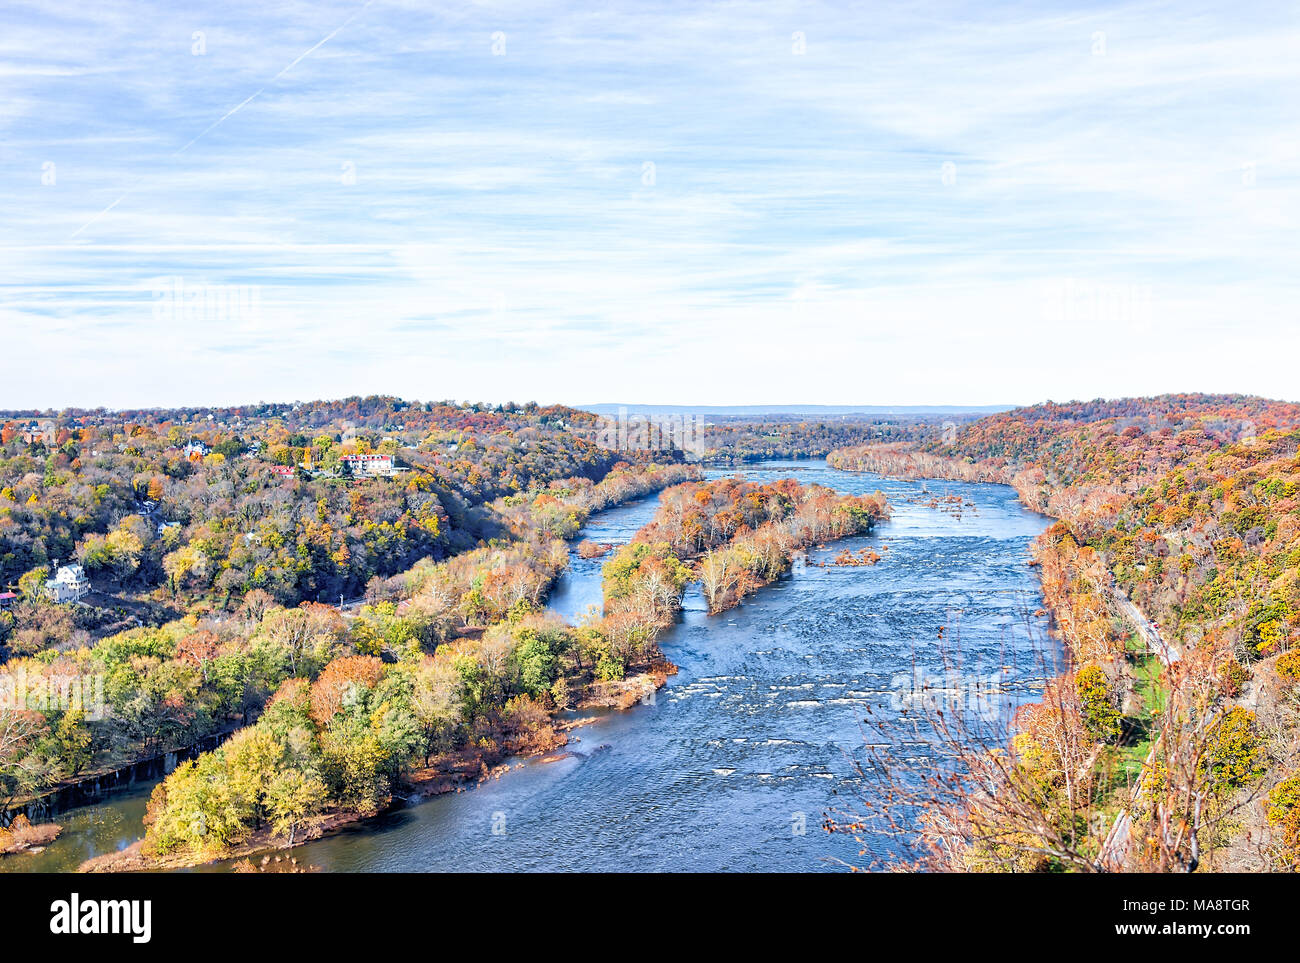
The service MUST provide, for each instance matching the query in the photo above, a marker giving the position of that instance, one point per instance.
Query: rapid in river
(733, 764)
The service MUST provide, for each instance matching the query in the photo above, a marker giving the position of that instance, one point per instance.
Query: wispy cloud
(699, 203)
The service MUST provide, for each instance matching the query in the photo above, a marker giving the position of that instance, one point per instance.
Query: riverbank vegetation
(481, 680)
(75, 711)
(1163, 746)
(452, 671)
(739, 439)
(21, 836)
(187, 512)
(732, 535)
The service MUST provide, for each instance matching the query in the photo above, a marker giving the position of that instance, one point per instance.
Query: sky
(691, 203)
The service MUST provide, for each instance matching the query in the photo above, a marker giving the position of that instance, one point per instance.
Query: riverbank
(578, 501)
(22, 837)
(90, 787)
(184, 646)
(453, 772)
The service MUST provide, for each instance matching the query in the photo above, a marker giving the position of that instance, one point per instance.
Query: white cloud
(426, 218)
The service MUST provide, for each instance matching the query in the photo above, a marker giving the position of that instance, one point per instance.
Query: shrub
(1232, 675)
(1100, 716)
(1283, 798)
(1287, 665)
(1234, 754)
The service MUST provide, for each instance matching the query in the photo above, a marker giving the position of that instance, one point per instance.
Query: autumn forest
(326, 610)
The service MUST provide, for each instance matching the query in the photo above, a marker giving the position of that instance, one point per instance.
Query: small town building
(369, 464)
(43, 431)
(69, 584)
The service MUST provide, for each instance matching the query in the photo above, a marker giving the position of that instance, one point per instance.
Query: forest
(213, 579)
(738, 439)
(169, 512)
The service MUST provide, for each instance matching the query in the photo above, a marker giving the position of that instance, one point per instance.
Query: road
(1165, 651)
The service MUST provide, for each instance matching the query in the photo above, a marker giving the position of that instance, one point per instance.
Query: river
(735, 762)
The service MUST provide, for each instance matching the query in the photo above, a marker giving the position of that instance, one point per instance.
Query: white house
(69, 585)
(369, 464)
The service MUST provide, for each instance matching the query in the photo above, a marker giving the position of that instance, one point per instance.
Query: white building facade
(69, 585)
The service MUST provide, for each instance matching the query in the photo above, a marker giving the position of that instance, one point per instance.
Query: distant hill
(816, 411)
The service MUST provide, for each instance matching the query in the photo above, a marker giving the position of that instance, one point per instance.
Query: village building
(69, 584)
(369, 464)
(43, 431)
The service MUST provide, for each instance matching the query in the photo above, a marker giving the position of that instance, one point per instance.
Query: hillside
(1189, 505)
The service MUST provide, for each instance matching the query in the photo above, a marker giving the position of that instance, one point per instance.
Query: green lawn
(1147, 670)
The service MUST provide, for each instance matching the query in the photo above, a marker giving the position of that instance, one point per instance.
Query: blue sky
(724, 203)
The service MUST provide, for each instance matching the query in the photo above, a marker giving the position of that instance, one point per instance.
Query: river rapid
(734, 763)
